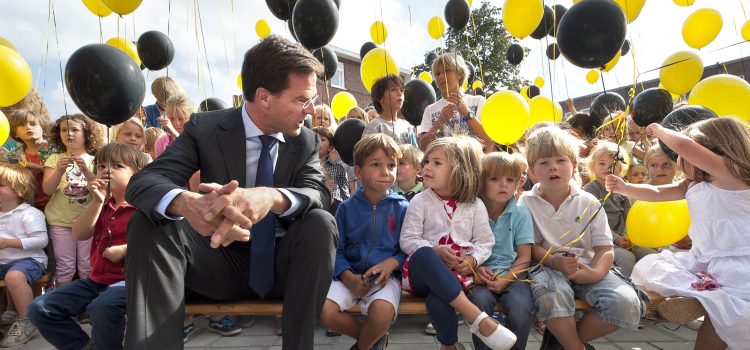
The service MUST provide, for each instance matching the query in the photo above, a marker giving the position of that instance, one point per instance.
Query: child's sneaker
(19, 333)
(187, 332)
(225, 326)
(244, 321)
(681, 310)
(8, 317)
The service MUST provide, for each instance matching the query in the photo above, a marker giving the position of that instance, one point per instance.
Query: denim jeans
(51, 314)
(518, 307)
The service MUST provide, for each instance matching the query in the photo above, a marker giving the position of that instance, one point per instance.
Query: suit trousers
(167, 258)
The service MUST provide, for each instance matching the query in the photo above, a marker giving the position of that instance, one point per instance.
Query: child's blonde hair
(123, 153)
(133, 120)
(181, 102)
(412, 155)
(551, 141)
(373, 142)
(499, 164)
(165, 87)
(21, 181)
(465, 156)
(610, 149)
(150, 135)
(727, 137)
(633, 164)
(653, 151)
(452, 61)
(325, 109)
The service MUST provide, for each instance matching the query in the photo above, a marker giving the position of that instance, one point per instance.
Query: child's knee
(553, 296)
(16, 279)
(620, 307)
(381, 312)
(330, 310)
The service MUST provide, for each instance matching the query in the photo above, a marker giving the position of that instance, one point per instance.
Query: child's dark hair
(21, 181)
(373, 142)
(322, 131)
(22, 116)
(586, 123)
(92, 132)
(380, 88)
(123, 153)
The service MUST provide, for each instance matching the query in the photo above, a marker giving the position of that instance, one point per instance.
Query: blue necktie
(262, 251)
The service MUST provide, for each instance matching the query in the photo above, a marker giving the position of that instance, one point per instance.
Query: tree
(483, 43)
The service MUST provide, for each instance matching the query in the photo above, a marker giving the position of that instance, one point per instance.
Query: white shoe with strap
(500, 339)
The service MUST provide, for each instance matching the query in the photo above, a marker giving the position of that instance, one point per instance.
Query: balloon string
(169, 18)
(743, 9)
(45, 53)
(59, 57)
(234, 34)
(411, 33)
(203, 37)
(224, 40)
(690, 58)
(551, 76)
(479, 61)
(198, 50)
(565, 79)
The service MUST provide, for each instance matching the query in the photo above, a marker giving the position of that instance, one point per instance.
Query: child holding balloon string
(712, 278)
(388, 97)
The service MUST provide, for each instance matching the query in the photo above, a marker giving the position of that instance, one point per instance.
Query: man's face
(286, 113)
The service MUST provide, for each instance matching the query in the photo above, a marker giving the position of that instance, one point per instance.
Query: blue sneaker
(225, 326)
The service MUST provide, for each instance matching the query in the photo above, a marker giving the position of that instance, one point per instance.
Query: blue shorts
(30, 267)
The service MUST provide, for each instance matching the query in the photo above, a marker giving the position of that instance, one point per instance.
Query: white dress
(720, 230)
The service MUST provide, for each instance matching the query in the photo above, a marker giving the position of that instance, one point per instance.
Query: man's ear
(262, 97)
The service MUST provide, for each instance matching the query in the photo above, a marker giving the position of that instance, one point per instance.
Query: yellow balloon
(239, 81)
(746, 31)
(426, 76)
(378, 32)
(657, 224)
(262, 28)
(16, 77)
(725, 94)
(4, 128)
(632, 8)
(471, 2)
(97, 7)
(6, 43)
(675, 97)
(682, 70)
(505, 117)
(341, 103)
(592, 76)
(127, 47)
(477, 84)
(612, 63)
(543, 109)
(122, 7)
(525, 92)
(436, 27)
(684, 2)
(701, 27)
(376, 64)
(521, 17)
(539, 82)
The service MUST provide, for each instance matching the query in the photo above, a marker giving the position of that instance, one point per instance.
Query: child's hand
(623, 242)
(584, 274)
(614, 184)
(457, 100)
(381, 272)
(654, 129)
(115, 253)
(465, 265)
(685, 243)
(355, 283)
(63, 163)
(484, 275)
(488, 277)
(447, 255)
(565, 263)
(97, 187)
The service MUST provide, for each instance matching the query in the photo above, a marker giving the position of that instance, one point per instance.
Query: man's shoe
(225, 326)
(19, 333)
(680, 310)
(187, 332)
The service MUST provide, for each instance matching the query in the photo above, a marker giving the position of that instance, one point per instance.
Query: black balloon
(559, 11)
(290, 25)
(457, 14)
(651, 106)
(625, 48)
(105, 83)
(553, 52)
(545, 24)
(330, 61)
(591, 33)
(431, 57)
(366, 47)
(338, 4)
(282, 9)
(315, 22)
(417, 96)
(606, 103)
(680, 118)
(347, 135)
(533, 91)
(212, 104)
(155, 50)
(514, 54)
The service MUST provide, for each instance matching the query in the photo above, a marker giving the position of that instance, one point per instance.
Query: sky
(228, 30)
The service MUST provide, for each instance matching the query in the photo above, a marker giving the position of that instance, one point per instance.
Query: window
(338, 78)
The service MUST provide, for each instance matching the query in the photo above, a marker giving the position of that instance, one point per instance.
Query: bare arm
(650, 193)
(83, 226)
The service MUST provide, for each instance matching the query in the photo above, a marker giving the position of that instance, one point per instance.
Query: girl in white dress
(713, 278)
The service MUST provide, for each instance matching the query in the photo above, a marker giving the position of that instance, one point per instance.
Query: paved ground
(407, 334)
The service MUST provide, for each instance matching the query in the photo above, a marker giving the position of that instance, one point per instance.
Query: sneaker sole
(225, 333)
(21, 342)
(681, 310)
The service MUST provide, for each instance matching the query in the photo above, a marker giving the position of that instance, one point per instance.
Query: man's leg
(304, 271)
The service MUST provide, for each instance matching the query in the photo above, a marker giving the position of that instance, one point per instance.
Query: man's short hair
(371, 143)
(551, 141)
(269, 64)
(380, 88)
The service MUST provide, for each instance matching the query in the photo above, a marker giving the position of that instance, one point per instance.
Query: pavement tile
(636, 346)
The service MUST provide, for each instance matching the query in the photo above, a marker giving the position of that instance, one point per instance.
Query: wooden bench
(37, 286)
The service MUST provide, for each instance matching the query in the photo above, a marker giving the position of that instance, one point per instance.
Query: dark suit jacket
(214, 143)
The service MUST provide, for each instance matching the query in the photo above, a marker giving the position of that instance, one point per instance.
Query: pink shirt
(161, 144)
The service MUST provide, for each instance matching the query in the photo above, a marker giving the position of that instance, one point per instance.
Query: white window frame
(339, 73)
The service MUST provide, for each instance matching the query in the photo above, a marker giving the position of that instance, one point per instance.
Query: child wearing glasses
(368, 257)
(102, 294)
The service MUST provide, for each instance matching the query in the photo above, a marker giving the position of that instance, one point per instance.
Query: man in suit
(259, 171)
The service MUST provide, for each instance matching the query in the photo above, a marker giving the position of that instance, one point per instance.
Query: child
(525, 182)
(637, 173)
(22, 240)
(446, 234)
(388, 98)
(661, 169)
(407, 174)
(65, 177)
(715, 156)
(29, 130)
(640, 141)
(344, 178)
(178, 110)
(163, 88)
(579, 262)
(617, 206)
(323, 116)
(358, 113)
(131, 132)
(102, 294)
(500, 278)
(152, 134)
(368, 258)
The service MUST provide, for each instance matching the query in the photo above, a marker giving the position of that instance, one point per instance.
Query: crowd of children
(461, 224)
